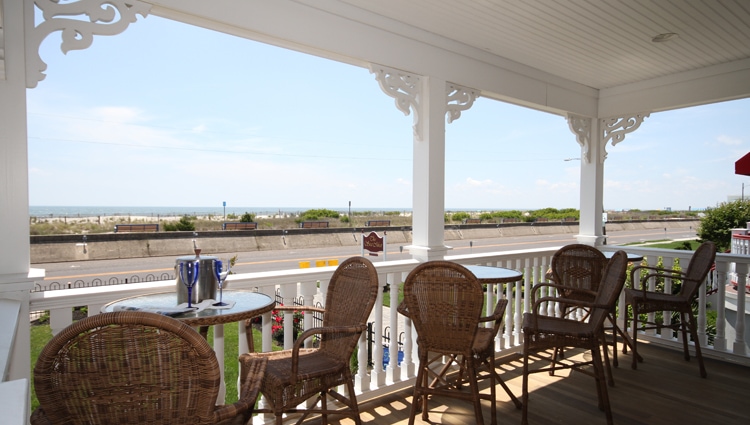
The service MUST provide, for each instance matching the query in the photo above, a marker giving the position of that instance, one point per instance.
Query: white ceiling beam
(708, 85)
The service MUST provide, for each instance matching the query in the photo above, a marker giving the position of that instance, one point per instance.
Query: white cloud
(728, 140)
(478, 183)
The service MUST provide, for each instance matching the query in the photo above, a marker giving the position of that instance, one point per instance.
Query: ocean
(88, 211)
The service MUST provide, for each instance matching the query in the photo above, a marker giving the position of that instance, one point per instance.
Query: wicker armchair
(135, 368)
(644, 301)
(547, 332)
(444, 301)
(294, 376)
(576, 272)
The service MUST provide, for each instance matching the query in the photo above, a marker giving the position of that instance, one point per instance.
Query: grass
(41, 334)
(690, 245)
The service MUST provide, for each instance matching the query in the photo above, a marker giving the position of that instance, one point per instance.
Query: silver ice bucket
(205, 287)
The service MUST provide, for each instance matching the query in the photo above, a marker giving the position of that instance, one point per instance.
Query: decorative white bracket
(581, 127)
(459, 99)
(101, 18)
(611, 129)
(615, 129)
(403, 87)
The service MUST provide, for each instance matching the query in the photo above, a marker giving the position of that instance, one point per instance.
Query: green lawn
(692, 244)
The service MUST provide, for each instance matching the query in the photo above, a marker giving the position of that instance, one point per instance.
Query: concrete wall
(61, 248)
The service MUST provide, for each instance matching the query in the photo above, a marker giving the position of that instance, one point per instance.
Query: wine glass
(189, 275)
(221, 277)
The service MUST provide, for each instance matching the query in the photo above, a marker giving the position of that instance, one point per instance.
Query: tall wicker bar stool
(681, 301)
(542, 333)
(297, 375)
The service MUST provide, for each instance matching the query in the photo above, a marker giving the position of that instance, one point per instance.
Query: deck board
(665, 389)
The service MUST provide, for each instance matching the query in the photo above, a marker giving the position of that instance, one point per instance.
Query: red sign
(373, 243)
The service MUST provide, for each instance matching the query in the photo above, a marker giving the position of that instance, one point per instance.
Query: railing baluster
(739, 327)
(393, 370)
(720, 284)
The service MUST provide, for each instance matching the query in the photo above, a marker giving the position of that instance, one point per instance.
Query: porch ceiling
(597, 43)
(589, 57)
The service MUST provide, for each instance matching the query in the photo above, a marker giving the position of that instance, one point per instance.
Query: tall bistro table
(491, 274)
(494, 275)
(247, 304)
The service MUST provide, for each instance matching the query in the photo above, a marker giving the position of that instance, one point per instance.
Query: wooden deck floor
(665, 389)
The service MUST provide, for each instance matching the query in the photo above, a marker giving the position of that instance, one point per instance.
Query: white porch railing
(303, 283)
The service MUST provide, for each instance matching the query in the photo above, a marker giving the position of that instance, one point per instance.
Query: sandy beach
(105, 219)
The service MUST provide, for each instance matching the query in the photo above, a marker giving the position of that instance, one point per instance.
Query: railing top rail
(500, 256)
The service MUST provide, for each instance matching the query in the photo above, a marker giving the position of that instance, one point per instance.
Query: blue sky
(167, 114)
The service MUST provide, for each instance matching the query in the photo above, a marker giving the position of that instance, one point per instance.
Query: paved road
(280, 260)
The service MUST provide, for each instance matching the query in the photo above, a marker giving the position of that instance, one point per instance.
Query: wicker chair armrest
(300, 308)
(560, 289)
(403, 309)
(539, 286)
(655, 272)
(39, 417)
(254, 368)
(497, 314)
(567, 301)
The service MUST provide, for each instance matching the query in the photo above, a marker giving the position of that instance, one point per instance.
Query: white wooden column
(592, 179)
(593, 136)
(22, 68)
(15, 279)
(428, 197)
(430, 99)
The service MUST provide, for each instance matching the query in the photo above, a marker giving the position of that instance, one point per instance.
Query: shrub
(507, 214)
(485, 216)
(312, 215)
(460, 216)
(718, 223)
(184, 225)
(247, 218)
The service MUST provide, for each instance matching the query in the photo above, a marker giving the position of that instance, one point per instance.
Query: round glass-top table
(491, 274)
(632, 257)
(247, 304)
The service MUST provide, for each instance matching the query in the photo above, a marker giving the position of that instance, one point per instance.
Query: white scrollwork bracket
(459, 99)
(615, 129)
(581, 127)
(405, 88)
(102, 17)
